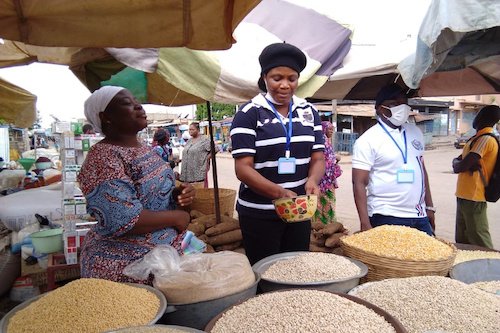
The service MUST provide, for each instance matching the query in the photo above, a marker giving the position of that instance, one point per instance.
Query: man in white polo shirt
(389, 179)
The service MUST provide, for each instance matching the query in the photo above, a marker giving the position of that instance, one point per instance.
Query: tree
(219, 111)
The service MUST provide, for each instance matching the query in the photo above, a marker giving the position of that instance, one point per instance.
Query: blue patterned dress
(118, 183)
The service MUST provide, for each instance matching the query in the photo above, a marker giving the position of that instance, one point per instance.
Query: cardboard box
(39, 275)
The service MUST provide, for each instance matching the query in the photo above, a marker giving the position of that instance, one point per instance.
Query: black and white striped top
(257, 132)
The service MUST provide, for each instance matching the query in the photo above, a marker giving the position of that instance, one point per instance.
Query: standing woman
(277, 147)
(196, 157)
(129, 190)
(326, 201)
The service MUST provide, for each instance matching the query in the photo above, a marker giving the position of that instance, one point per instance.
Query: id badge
(405, 176)
(286, 165)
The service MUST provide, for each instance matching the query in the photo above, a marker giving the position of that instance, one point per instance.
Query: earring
(108, 122)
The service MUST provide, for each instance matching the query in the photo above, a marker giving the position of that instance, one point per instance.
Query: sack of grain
(195, 277)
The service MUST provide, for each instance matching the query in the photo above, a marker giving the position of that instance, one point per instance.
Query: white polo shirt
(376, 152)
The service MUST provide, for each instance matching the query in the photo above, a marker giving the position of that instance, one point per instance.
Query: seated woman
(129, 190)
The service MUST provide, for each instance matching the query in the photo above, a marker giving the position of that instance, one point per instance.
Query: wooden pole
(214, 164)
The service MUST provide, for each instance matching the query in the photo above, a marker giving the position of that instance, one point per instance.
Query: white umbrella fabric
(458, 50)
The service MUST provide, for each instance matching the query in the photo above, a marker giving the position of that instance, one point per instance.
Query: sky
(61, 94)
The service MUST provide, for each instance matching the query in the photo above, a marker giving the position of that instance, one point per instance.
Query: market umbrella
(177, 76)
(200, 25)
(17, 106)
(458, 50)
(367, 68)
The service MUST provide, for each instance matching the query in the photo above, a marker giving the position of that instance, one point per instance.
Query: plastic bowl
(43, 165)
(297, 209)
(47, 241)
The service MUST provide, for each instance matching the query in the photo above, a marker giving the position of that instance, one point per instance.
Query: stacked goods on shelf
(76, 221)
(326, 237)
(223, 236)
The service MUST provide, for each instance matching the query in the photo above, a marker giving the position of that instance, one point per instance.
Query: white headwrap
(97, 103)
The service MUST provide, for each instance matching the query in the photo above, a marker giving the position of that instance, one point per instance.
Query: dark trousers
(262, 238)
(421, 223)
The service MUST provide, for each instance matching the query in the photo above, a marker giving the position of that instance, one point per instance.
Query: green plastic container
(47, 241)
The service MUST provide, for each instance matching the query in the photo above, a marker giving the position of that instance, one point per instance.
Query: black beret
(282, 54)
(388, 92)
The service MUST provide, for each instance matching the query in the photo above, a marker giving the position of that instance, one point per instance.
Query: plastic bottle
(25, 181)
(41, 179)
(33, 183)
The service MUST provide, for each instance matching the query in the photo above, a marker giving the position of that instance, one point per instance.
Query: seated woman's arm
(150, 221)
(179, 219)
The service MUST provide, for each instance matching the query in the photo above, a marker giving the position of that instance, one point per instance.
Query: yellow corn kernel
(399, 242)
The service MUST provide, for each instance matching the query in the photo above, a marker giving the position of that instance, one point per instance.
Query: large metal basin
(476, 270)
(340, 285)
(145, 328)
(398, 327)
(197, 315)
(163, 305)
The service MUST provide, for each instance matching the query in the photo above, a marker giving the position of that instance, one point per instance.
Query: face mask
(400, 114)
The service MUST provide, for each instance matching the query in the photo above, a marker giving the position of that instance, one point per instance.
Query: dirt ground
(437, 159)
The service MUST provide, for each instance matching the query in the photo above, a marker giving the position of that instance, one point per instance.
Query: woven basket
(380, 268)
(204, 201)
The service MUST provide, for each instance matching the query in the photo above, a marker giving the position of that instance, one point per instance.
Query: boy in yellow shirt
(471, 220)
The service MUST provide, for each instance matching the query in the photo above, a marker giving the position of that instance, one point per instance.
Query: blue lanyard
(405, 154)
(289, 131)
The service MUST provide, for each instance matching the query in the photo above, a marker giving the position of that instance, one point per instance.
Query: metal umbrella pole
(214, 164)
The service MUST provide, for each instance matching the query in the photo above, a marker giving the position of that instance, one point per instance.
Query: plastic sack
(195, 277)
(10, 269)
(18, 210)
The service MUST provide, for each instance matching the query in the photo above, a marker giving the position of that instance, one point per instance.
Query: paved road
(442, 183)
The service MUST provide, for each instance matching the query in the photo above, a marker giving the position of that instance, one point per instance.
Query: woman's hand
(311, 187)
(284, 193)
(185, 194)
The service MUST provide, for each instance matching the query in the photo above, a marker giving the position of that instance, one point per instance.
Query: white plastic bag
(18, 210)
(195, 277)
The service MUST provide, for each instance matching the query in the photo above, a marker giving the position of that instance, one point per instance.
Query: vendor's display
(326, 237)
(392, 251)
(304, 270)
(304, 311)
(223, 236)
(87, 305)
(466, 255)
(434, 303)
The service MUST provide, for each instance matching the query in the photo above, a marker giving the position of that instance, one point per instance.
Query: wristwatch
(433, 209)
